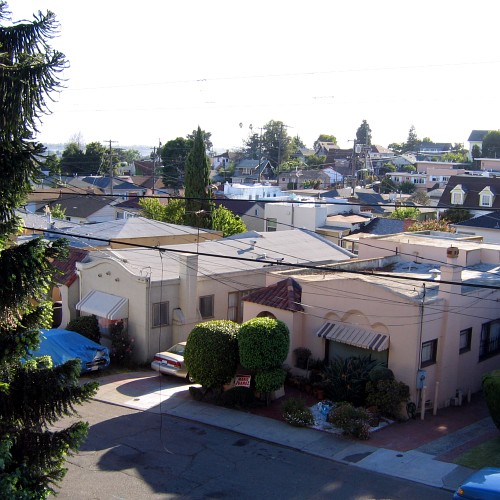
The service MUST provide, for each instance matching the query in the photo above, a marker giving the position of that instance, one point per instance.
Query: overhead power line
(269, 262)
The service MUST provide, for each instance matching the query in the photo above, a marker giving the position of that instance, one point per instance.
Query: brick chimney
(407, 223)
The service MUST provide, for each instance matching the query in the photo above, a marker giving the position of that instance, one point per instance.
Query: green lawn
(484, 455)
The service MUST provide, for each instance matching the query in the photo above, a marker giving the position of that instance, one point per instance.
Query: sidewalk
(418, 450)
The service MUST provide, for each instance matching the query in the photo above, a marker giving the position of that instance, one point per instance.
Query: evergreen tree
(173, 156)
(364, 134)
(33, 395)
(198, 206)
(412, 143)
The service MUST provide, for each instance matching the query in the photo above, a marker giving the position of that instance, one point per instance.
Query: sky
(146, 72)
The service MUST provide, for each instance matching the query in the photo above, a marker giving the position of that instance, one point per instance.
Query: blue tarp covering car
(64, 345)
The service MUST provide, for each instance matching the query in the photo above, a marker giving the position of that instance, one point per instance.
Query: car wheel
(190, 379)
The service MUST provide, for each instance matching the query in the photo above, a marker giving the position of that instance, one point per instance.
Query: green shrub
(353, 421)
(238, 397)
(387, 396)
(263, 343)
(348, 378)
(380, 373)
(296, 413)
(211, 353)
(491, 390)
(86, 326)
(270, 380)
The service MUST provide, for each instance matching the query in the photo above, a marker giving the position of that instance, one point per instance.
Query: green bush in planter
(263, 343)
(296, 413)
(270, 380)
(353, 421)
(491, 390)
(387, 396)
(348, 377)
(211, 353)
(87, 326)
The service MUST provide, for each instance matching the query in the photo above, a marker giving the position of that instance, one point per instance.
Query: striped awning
(353, 335)
(104, 305)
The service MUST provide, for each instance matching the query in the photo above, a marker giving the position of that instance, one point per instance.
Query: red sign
(242, 380)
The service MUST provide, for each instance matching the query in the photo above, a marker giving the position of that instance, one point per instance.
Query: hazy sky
(144, 71)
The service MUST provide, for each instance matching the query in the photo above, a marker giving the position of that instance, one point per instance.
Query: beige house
(424, 304)
(161, 294)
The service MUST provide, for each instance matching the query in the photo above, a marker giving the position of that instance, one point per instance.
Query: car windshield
(177, 349)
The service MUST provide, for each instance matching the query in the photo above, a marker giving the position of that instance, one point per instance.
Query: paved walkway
(416, 450)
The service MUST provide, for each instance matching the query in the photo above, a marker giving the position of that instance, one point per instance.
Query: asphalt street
(134, 454)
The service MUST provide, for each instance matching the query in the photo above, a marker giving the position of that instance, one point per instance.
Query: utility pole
(156, 154)
(110, 165)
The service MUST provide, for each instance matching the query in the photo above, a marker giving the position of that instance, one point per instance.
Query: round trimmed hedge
(211, 353)
(263, 343)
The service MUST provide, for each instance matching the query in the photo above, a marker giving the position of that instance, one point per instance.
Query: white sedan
(171, 362)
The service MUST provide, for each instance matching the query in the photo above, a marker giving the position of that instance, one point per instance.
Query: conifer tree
(33, 394)
(198, 205)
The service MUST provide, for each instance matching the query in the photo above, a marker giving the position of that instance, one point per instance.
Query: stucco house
(478, 194)
(426, 305)
(161, 294)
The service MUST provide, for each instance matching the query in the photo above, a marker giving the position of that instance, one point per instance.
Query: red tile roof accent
(286, 294)
(68, 266)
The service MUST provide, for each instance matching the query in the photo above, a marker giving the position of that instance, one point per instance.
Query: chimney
(407, 223)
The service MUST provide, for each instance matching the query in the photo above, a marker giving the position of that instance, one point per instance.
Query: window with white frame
(160, 314)
(486, 197)
(457, 195)
(465, 340)
(429, 353)
(271, 224)
(207, 306)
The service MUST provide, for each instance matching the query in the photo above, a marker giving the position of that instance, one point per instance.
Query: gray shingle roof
(477, 135)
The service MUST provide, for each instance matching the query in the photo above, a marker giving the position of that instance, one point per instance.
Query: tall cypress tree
(198, 205)
(33, 395)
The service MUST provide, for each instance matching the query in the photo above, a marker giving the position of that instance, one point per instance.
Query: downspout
(419, 347)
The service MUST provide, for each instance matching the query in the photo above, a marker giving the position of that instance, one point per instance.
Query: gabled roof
(375, 148)
(67, 266)
(488, 221)
(477, 135)
(286, 295)
(134, 227)
(80, 206)
(238, 206)
(472, 185)
(104, 183)
(372, 200)
(381, 226)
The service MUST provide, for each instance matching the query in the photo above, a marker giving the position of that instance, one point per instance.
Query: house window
(486, 200)
(160, 314)
(457, 195)
(234, 305)
(465, 340)
(429, 352)
(271, 224)
(207, 306)
(490, 339)
(486, 197)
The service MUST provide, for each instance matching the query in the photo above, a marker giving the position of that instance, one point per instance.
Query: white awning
(104, 305)
(353, 335)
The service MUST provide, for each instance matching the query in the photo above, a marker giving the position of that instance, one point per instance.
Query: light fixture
(108, 273)
(100, 275)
